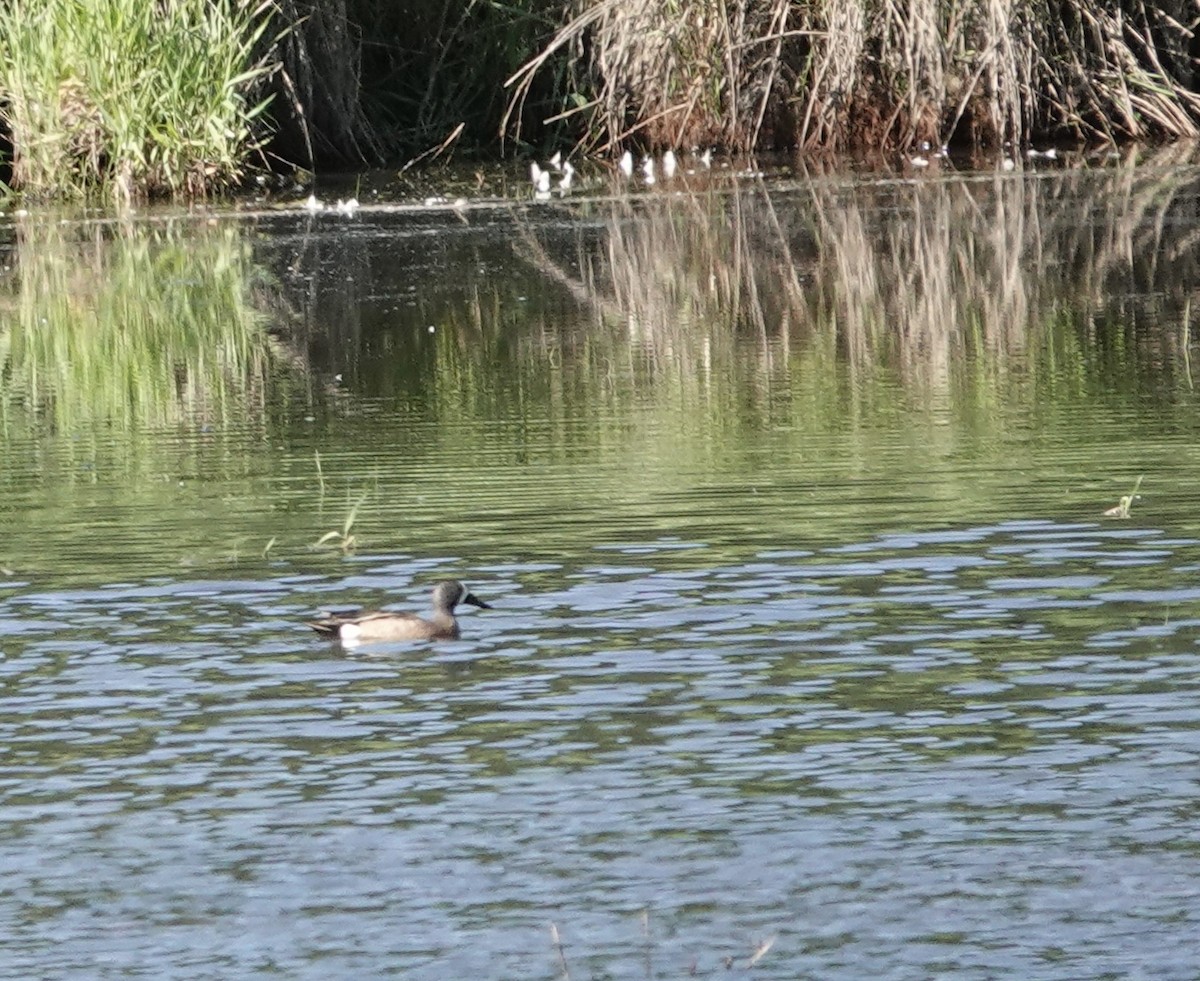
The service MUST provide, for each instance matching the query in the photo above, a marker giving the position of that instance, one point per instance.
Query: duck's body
(358, 626)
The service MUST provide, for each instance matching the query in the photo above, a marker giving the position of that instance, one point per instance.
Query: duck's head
(450, 592)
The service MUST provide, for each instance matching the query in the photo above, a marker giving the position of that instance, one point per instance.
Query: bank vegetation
(187, 96)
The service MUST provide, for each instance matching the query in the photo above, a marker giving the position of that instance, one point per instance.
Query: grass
(132, 98)
(1123, 506)
(170, 98)
(854, 75)
(342, 539)
(673, 73)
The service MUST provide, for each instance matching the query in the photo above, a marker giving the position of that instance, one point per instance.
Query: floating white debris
(541, 178)
(1007, 164)
(648, 169)
(347, 207)
(706, 158)
(918, 162)
(431, 329)
(313, 205)
(556, 160)
(669, 164)
(626, 164)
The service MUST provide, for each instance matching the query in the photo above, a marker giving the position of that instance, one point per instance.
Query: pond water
(812, 652)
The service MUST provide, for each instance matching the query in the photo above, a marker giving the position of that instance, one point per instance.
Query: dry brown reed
(674, 73)
(849, 75)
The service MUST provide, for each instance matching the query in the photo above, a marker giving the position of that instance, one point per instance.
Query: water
(808, 628)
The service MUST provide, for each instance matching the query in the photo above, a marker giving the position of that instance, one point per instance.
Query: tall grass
(167, 96)
(677, 72)
(131, 96)
(858, 74)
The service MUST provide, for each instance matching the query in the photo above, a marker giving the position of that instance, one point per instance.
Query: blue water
(968, 753)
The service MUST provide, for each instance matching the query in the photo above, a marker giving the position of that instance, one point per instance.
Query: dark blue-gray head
(450, 592)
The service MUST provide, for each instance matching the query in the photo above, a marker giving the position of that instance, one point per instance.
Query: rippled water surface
(812, 653)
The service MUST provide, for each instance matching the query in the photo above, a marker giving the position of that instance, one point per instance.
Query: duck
(367, 626)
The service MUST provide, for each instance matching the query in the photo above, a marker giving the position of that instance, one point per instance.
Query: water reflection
(889, 352)
(900, 275)
(130, 327)
(788, 499)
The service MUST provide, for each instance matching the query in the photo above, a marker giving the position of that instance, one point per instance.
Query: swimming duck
(359, 626)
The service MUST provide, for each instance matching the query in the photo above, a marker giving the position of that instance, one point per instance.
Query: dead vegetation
(848, 75)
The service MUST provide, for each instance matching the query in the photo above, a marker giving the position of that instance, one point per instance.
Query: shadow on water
(788, 499)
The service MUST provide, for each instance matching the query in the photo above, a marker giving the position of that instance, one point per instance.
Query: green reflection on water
(130, 328)
(767, 367)
(133, 362)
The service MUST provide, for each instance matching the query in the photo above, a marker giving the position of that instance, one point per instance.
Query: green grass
(132, 98)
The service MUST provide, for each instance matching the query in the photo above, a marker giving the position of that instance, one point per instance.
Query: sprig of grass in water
(556, 940)
(343, 540)
(1126, 502)
(320, 472)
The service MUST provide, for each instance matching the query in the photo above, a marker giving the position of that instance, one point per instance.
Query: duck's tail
(328, 627)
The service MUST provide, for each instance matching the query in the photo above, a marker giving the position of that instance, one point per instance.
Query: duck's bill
(475, 601)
